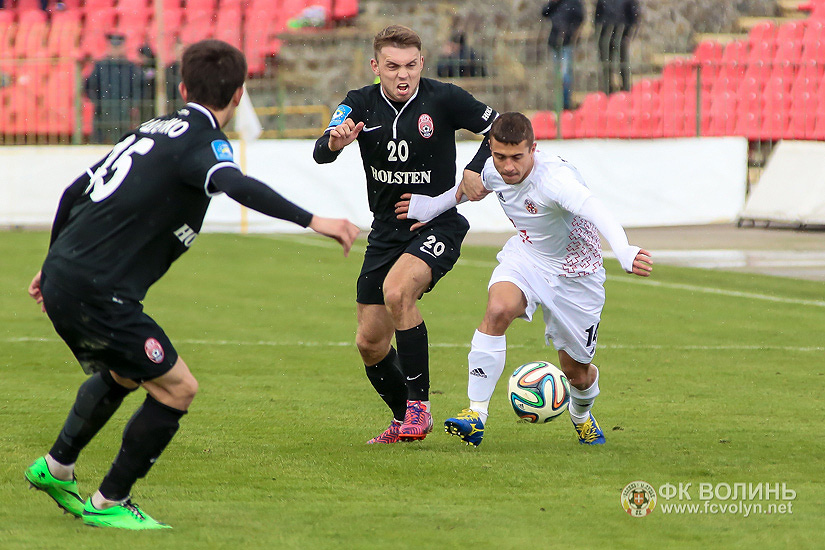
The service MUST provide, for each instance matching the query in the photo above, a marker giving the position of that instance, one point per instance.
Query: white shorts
(572, 306)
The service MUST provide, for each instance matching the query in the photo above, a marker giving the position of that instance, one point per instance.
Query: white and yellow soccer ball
(539, 392)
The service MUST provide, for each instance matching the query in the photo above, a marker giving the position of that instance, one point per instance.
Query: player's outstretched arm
(343, 231)
(424, 208)
(261, 198)
(632, 258)
(344, 134)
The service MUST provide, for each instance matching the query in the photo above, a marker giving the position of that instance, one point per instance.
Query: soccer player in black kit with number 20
(118, 228)
(405, 127)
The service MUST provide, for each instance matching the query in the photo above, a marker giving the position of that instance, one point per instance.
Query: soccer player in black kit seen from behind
(405, 127)
(117, 230)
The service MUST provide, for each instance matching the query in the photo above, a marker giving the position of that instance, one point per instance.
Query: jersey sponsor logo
(531, 208)
(173, 127)
(426, 126)
(222, 150)
(487, 113)
(389, 176)
(340, 115)
(186, 235)
(154, 351)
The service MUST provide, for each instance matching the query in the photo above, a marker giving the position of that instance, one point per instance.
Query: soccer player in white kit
(554, 261)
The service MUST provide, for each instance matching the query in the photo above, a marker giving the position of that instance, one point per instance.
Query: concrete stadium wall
(645, 183)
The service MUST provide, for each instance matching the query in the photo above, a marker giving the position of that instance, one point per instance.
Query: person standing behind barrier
(566, 17)
(114, 86)
(616, 22)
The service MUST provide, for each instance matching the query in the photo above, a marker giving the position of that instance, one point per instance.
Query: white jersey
(544, 209)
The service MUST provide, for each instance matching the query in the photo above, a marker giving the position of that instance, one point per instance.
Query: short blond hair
(398, 36)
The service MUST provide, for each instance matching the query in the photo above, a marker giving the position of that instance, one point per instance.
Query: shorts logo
(154, 351)
(340, 115)
(222, 150)
(638, 499)
(426, 126)
(528, 204)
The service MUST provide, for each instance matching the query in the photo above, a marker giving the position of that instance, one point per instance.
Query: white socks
(486, 363)
(581, 401)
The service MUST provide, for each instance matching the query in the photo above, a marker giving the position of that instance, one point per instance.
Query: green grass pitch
(707, 378)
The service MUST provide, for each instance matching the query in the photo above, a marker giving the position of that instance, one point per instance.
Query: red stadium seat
(64, 36)
(804, 106)
(762, 32)
(650, 85)
(619, 115)
(708, 58)
(209, 6)
(7, 32)
(568, 125)
(734, 64)
(721, 116)
(544, 125)
(30, 40)
(344, 9)
(774, 126)
(791, 31)
(228, 27)
(748, 125)
(818, 130)
(593, 118)
(646, 116)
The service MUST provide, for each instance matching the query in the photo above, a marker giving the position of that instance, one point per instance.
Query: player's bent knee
(500, 315)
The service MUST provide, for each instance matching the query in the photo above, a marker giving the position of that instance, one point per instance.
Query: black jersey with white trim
(143, 206)
(409, 147)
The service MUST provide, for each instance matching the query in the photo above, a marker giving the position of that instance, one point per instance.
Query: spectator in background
(173, 99)
(147, 94)
(459, 60)
(566, 17)
(616, 22)
(115, 87)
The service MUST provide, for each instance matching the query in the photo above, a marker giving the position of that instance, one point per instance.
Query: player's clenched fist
(344, 134)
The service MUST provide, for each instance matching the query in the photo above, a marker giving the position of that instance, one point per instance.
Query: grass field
(707, 378)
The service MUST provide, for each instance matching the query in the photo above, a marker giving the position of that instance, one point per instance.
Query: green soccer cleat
(64, 493)
(589, 432)
(125, 515)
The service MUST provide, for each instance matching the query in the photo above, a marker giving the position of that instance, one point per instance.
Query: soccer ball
(539, 392)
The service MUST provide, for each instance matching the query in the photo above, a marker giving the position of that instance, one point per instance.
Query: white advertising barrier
(644, 183)
(792, 187)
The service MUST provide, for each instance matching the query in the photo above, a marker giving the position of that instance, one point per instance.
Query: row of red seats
(251, 25)
(767, 87)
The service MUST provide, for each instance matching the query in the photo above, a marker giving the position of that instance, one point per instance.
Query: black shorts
(438, 244)
(109, 335)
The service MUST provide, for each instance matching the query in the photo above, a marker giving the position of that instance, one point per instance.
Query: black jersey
(142, 206)
(409, 147)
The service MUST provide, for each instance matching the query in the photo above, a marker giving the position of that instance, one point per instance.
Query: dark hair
(398, 36)
(212, 71)
(512, 128)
